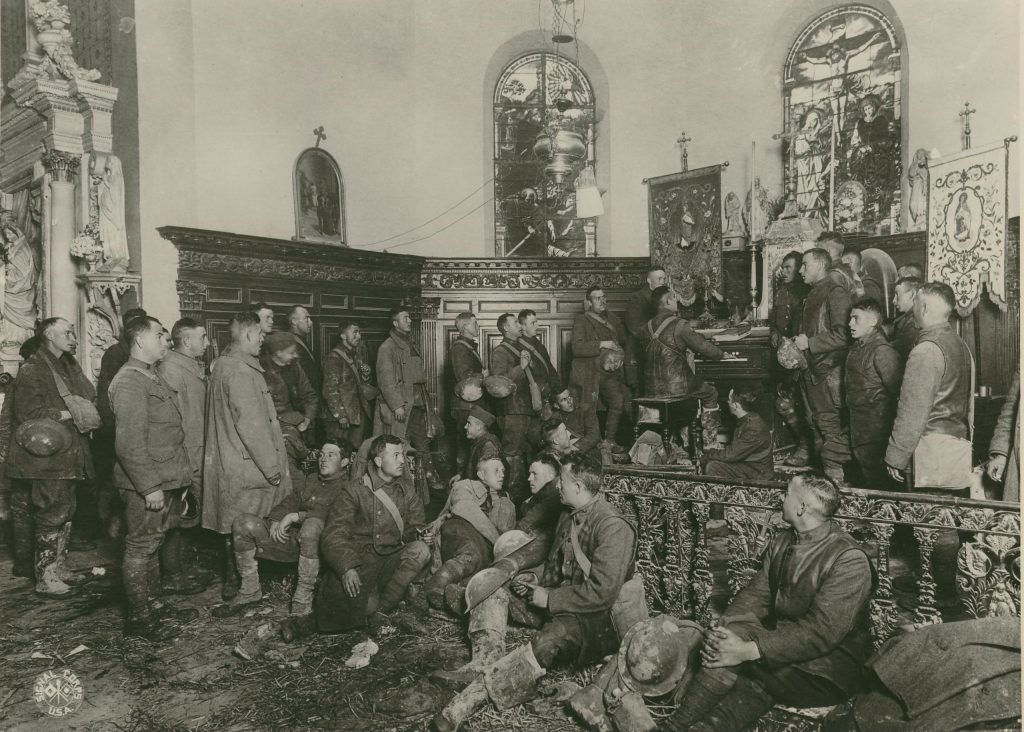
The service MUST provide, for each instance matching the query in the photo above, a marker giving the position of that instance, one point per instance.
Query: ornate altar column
(62, 170)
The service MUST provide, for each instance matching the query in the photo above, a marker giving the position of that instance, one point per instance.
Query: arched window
(843, 117)
(544, 117)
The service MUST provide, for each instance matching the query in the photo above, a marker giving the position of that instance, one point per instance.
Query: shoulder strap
(656, 334)
(505, 344)
(385, 499)
(351, 364)
(598, 319)
(62, 386)
(581, 559)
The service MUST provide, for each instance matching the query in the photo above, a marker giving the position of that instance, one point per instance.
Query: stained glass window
(843, 117)
(543, 138)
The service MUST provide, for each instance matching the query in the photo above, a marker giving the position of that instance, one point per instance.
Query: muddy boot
(509, 681)
(488, 623)
(588, 706)
(140, 620)
(710, 422)
(48, 581)
(455, 599)
(800, 457)
(706, 690)
(302, 600)
(745, 704)
(297, 627)
(231, 581)
(249, 593)
(174, 579)
(66, 575)
(22, 533)
(465, 704)
(410, 566)
(451, 573)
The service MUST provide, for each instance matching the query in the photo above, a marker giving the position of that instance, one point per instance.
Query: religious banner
(967, 225)
(686, 231)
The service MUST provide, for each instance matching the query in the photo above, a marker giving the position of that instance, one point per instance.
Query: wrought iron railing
(671, 510)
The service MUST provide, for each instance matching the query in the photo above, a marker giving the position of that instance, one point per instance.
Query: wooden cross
(320, 135)
(683, 154)
(966, 114)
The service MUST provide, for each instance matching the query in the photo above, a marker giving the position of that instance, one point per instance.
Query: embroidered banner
(967, 225)
(685, 214)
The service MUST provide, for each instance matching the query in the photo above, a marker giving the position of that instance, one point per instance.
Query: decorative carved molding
(61, 165)
(671, 508)
(533, 274)
(191, 297)
(215, 251)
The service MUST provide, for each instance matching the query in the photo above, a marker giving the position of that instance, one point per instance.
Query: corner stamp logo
(58, 693)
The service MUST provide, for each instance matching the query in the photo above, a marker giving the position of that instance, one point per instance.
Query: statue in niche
(733, 216)
(21, 277)
(108, 182)
(917, 182)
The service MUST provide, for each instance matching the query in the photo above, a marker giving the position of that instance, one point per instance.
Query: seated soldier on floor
(749, 455)
(581, 419)
(372, 544)
(476, 513)
(542, 509)
(587, 591)
(482, 442)
(290, 533)
(798, 634)
(560, 440)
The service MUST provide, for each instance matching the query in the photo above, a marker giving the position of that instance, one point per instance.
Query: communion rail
(671, 510)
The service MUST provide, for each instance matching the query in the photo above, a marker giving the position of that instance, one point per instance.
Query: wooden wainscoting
(554, 288)
(221, 273)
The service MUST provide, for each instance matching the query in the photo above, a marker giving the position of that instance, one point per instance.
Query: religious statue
(51, 20)
(811, 151)
(733, 216)
(917, 182)
(105, 169)
(21, 275)
(872, 154)
(1000, 602)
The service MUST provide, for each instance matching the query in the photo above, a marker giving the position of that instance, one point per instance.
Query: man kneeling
(291, 532)
(797, 634)
(586, 591)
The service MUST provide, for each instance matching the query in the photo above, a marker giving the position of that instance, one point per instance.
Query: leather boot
(48, 581)
(743, 706)
(231, 580)
(455, 599)
(140, 620)
(22, 533)
(465, 704)
(302, 600)
(174, 579)
(488, 624)
(65, 574)
(450, 573)
(707, 689)
(297, 627)
(509, 681)
(406, 571)
(249, 593)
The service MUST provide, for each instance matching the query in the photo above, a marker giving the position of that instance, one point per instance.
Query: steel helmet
(43, 437)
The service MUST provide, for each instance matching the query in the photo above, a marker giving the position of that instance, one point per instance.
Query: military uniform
(187, 377)
(541, 368)
(295, 400)
(348, 413)
(517, 419)
(748, 456)
(307, 362)
(588, 330)
(582, 422)
(904, 334)
(151, 456)
(484, 446)
(464, 360)
(824, 321)
(362, 534)
(873, 375)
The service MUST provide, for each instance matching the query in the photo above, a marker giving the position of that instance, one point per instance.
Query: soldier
(294, 397)
(290, 533)
(638, 311)
(403, 409)
(464, 359)
(517, 416)
(873, 376)
(870, 286)
(542, 508)
(476, 513)
(541, 368)
(483, 443)
(823, 335)
(783, 322)
(749, 455)
(371, 546)
(668, 341)
(580, 419)
(347, 389)
(587, 571)
(798, 634)
(54, 401)
(182, 370)
(904, 328)
(152, 474)
(299, 325)
(593, 332)
(245, 469)
(265, 314)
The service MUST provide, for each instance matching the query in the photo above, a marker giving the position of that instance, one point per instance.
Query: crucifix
(791, 211)
(966, 115)
(320, 135)
(683, 154)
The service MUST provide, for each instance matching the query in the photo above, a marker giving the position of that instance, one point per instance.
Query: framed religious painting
(319, 198)
(685, 224)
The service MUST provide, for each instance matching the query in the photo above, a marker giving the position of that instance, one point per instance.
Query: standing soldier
(517, 417)
(784, 322)
(904, 328)
(294, 397)
(541, 368)
(182, 370)
(152, 474)
(347, 390)
(597, 333)
(246, 464)
(54, 412)
(639, 310)
(873, 376)
(823, 335)
(299, 325)
(464, 358)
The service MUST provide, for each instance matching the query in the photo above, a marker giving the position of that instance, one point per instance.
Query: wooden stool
(673, 413)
